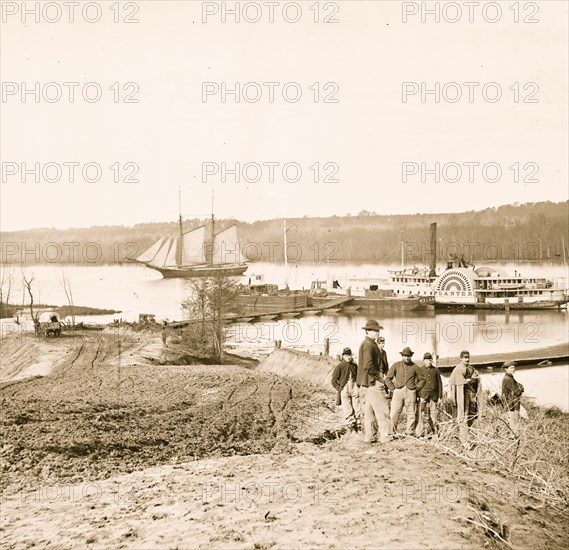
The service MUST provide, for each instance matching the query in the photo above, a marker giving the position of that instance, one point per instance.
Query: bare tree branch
(69, 294)
(28, 286)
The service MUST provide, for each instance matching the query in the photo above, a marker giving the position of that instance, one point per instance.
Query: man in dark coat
(370, 380)
(383, 364)
(429, 396)
(512, 392)
(404, 380)
(344, 380)
(384, 367)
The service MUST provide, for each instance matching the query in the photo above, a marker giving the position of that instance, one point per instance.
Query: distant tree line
(511, 233)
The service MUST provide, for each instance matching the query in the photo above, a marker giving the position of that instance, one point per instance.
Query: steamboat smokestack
(433, 252)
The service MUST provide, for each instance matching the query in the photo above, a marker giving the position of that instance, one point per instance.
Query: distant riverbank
(510, 233)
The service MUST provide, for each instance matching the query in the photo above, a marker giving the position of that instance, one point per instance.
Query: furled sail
(151, 252)
(193, 247)
(225, 246)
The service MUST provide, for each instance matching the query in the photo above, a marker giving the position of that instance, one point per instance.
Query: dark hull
(388, 303)
(228, 270)
(271, 303)
(393, 304)
(533, 306)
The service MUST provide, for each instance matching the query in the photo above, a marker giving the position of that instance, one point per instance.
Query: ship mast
(209, 249)
(433, 251)
(181, 228)
(212, 217)
(285, 255)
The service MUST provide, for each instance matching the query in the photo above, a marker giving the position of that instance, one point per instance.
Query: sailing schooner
(200, 252)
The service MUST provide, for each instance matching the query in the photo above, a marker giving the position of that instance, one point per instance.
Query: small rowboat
(312, 312)
(508, 286)
(291, 315)
(266, 317)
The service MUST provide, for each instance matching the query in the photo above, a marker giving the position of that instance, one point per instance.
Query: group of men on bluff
(374, 394)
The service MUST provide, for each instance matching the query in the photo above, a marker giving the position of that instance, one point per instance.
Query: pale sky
(368, 134)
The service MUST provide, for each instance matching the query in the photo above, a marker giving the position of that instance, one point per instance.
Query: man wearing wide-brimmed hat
(344, 380)
(429, 396)
(370, 380)
(404, 379)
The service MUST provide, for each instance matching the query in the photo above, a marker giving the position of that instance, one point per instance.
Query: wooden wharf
(316, 310)
(554, 354)
(253, 316)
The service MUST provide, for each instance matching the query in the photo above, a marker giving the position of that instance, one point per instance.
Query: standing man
(512, 392)
(344, 380)
(429, 396)
(384, 368)
(471, 390)
(404, 380)
(370, 381)
(461, 381)
(383, 364)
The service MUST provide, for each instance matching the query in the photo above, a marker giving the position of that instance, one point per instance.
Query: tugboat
(258, 295)
(405, 289)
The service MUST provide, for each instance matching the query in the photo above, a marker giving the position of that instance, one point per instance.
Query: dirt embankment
(112, 450)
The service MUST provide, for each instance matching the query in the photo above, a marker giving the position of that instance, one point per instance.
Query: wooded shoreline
(512, 233)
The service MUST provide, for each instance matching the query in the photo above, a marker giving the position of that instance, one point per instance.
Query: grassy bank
(63, 311)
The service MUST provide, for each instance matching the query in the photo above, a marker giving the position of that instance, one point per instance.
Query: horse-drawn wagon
(48, 324)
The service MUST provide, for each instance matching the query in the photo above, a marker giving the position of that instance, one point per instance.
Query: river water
(134, 289)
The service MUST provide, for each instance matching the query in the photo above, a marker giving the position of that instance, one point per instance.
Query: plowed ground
(94, 416)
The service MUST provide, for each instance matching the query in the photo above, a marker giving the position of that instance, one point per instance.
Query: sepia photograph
(284, 274)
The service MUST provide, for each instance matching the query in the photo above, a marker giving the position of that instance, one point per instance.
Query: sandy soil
(114, 451)
(20, 359)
